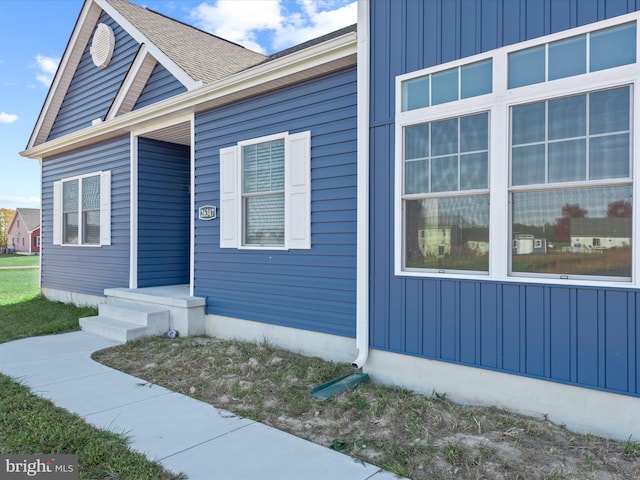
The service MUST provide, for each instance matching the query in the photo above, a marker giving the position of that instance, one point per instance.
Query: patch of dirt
(412, 435)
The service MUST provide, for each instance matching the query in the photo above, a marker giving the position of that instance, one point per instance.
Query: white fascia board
(340, 50)
(66, 69)
(136, 75)
(176, 71)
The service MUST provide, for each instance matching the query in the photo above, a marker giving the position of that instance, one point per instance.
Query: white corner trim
(158, 54)
(582, 410)
(192, 236)
(133, 215)
(362, 259)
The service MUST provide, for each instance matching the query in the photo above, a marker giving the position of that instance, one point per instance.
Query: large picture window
(531, 175)
(582, 140)
(82, 210)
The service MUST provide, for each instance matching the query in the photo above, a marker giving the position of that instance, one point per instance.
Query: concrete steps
(123, 321)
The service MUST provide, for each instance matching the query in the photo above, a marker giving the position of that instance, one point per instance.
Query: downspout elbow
(361, 359)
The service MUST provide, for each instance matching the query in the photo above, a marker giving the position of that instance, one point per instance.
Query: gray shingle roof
(30, 217)
(204, 57)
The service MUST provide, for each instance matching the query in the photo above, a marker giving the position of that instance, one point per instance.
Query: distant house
(437, 241)
(589, 234)
(526, 243)
(23, 235)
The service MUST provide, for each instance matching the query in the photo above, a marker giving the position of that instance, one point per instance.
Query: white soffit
(179, 133)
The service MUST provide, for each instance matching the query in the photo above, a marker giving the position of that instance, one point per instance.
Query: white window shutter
(57, 213)
(105, 208)
(229, 198)
(298, 191)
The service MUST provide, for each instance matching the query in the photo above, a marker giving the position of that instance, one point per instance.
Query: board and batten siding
(93, 89)
(160, 86)
(164, 176)
(87, 269)
(308, 289)
(581, 336)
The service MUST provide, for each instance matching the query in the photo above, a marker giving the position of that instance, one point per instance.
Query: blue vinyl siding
(88, 269)
(160, 86)
(309, 289)
(163, 213)
(93, 89)
(574, 335)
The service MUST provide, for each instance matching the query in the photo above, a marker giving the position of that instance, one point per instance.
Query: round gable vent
(102, 45)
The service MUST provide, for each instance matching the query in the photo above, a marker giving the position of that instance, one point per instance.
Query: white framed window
(558, 200)
(82, 210)
(265, 193)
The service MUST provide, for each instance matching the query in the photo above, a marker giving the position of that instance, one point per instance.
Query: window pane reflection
(449, 233)
(573, 231)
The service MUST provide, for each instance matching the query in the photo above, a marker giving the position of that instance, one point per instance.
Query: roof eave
(332, 55)
(77, 43)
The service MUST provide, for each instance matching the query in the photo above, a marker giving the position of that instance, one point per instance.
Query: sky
(35, 34)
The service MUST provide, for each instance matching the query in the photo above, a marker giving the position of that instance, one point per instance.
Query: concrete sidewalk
(183, 434)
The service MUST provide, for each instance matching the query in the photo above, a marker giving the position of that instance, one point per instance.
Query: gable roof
(192, 56)
(321, 56)
(30, 217)
(203, 56)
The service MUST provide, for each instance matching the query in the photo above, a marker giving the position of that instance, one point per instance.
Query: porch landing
(130, 313)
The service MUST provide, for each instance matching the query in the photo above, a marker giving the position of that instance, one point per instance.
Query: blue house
(357, 197)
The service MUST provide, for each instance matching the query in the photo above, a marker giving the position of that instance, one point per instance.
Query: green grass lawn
(19, 260)
(18, 285)
(33, 425)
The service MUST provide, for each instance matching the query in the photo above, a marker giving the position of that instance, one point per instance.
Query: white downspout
(362, 262)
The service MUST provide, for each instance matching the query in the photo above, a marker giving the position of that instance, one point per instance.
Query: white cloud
(8, 117)
(47, 67)
(316, 23)
(239, 21)
(267, 26)
(8, 201)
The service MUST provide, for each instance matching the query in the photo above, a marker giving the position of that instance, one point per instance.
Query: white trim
(133, 215)
(162, 122)
(87, 20)
(192, 192)
(57, 213)
(105, 177)
(362, 255)
(581, 410)
(133, 84)
(169, 64)
(323, 58)
(240, 217)
(499, 103)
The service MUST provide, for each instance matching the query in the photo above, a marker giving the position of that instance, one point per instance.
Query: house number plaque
(207, 212)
